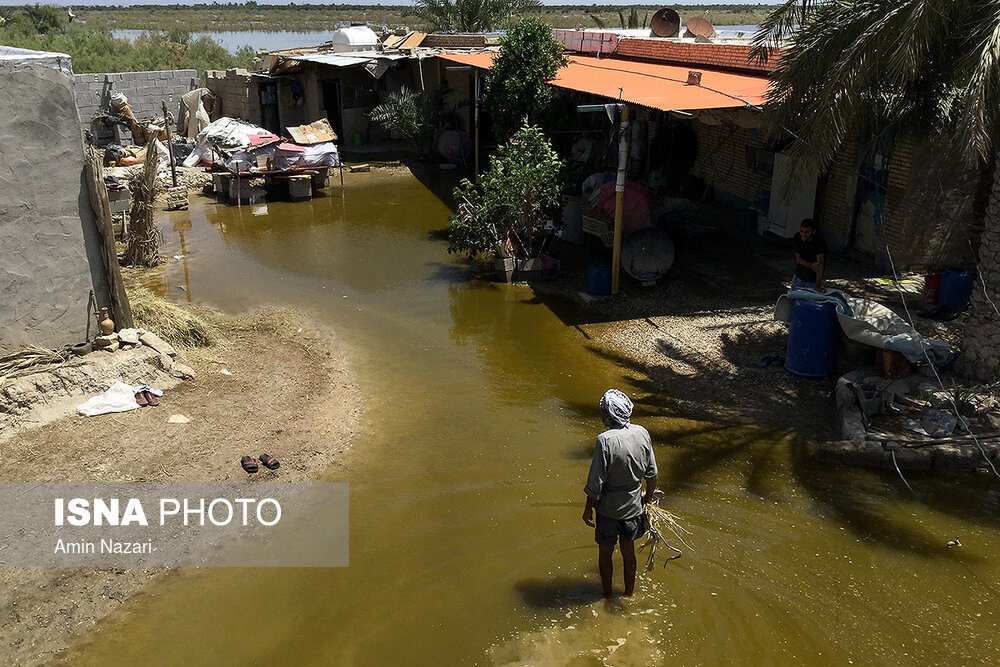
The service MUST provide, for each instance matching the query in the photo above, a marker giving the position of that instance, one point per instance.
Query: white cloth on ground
(120, 397)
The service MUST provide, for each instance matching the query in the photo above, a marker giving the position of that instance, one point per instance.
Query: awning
(652, 85)
(375, 63)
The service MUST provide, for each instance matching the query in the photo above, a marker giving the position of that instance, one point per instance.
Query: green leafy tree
(512, 201)
(516, 88)
(920, 68)
(470, 15)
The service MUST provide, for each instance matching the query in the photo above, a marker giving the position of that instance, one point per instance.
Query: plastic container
(812, 339)
(932, 283)
(955, 289)
(599, 280)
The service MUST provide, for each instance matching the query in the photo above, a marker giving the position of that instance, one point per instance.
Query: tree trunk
(980, 358)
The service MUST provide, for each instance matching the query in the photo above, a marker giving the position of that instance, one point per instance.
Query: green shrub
(512, 201)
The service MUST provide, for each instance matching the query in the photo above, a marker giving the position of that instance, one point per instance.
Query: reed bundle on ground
(31, 359)
(661, 522)
(143, 236)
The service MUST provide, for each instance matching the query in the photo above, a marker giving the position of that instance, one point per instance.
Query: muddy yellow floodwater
(466, 479)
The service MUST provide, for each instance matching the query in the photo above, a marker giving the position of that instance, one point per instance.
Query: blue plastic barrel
(955, 289)
(599, 280)
(812, 339)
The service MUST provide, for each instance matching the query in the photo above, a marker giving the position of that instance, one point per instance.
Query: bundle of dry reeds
(29, 360)
(143, 235)
(661, 522)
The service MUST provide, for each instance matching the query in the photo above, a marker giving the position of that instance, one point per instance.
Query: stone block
(105, 341)
(921, 458)
(852, 425)
(182, 371)
(129, 336)
(149, 339)
(956, 457)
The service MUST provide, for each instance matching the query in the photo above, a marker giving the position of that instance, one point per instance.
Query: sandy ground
(290, 395)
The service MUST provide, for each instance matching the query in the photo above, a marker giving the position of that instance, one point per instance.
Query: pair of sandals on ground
(146, 398)
(250, 465)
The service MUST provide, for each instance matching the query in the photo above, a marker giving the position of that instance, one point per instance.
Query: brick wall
(718, 56)
(725, 160)
(929, 206)
(835, 197)
(145, 92)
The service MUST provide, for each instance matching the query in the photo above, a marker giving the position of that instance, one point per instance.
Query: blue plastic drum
(812, 339)
(599, 280)
(955, 289)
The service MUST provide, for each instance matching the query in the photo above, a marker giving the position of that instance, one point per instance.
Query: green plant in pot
(506, 211)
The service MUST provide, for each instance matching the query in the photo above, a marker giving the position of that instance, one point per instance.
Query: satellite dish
(700, 27)
(647, 253)
(665, 23)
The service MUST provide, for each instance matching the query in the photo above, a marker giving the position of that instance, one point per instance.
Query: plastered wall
(49, 249)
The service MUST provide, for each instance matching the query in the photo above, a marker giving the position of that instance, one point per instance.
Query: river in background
(274, 40)
(466, 478)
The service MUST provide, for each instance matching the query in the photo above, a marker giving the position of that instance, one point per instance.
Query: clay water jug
(107, 324)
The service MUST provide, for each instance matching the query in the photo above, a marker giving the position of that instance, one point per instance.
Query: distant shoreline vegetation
(167, 42)
(302, 18)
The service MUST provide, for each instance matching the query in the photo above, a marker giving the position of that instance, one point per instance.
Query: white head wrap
(618, 405)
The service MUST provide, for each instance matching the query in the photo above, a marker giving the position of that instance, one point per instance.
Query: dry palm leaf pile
(661, 522)
(29, 360)
(143, 234)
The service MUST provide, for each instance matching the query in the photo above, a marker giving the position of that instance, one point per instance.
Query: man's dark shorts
(608, 531)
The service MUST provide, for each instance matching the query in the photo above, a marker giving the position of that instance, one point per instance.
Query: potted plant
(505, 212)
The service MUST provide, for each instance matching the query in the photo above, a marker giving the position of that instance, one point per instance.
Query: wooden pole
(170, 150)
(477, 123)
(616, 253)
(121, 311)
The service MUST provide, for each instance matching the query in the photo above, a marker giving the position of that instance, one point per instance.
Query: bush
(512, 201)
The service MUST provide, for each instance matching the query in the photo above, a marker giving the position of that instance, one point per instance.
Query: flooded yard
(466, 486)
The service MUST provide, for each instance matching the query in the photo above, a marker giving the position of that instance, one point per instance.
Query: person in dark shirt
(809, 251)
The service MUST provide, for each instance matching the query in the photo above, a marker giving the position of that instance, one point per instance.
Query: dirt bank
(289, 394)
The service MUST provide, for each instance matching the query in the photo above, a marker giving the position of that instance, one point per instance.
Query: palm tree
(470, 15)
(893, 68)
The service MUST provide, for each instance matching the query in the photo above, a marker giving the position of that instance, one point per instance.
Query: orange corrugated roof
(651, 85)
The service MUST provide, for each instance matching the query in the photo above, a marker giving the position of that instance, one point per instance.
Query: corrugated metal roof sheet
(652, 85)
(332, 59)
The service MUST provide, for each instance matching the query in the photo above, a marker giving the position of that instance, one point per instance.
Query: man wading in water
(623, 458)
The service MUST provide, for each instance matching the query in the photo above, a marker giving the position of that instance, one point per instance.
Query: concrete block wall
(725, 160)
(145, 92)
(238, 96)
